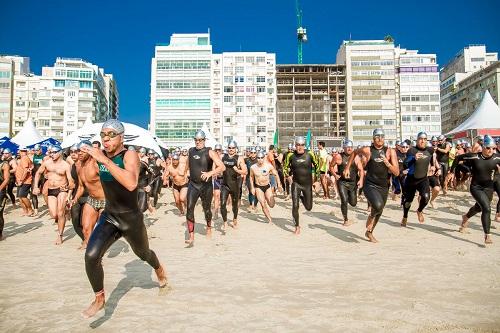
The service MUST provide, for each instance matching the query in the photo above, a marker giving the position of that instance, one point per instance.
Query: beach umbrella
(45, 144)
(6, 143)
(134, 136)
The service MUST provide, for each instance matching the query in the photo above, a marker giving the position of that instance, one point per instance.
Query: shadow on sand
(12, 228)
(137, 274)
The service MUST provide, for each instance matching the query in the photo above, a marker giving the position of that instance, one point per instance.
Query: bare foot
(190, 240)
(297, 230)
(209, 232)
(432, 204)
(420, 216)
(162, 276)
(235, 224)
(370, 237)
(463, 227)
(394, 196)
(369, 223)
(347, 223)
(96, 306)
(487, 239)
(59, 239)
(83, 246)
(404, 222)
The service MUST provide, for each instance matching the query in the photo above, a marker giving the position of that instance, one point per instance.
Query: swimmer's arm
(277, 177)
(5, 170)
(71, 183)
(363, 151)
(38, 173)
(393, 163)
(242, 170)
(252, 180)
(129, 176)
(79, 191)
(219, 166)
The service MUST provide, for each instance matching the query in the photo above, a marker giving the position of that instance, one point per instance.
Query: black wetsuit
(376, 186)
(3, 196)
(398, 181)
(252, 199)
(482, 183)
(199, 161)
(144, 178)
(12, 184)
(496, 186)
(231, 185)
(121, 217)
(417, 180)
(37, 162)
(155, 181)
(301, 167)
(443, 160)
(347, 187)
(77, 208)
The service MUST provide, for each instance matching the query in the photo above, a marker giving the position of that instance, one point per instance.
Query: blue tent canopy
(46, 143)
(6, 143)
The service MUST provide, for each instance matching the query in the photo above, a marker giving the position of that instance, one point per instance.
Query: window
(20, 103)
(228, 79)
(4, 74)
(4, 85)
(85, 75)
(261, 119)
(85, 84)
(240, 69)
(239, 109)
(261, 89)
(44, 103)
(227, 120)
(250, 59)
(228, 99)
(260, 79)
(240, 99)
(72, 74)
(250, 89)
(182, 64)
(60, 72)
(228, 89)
(239, 79)
(71, 94)
(59, 83)
(261, 59)
(240, 89)
(261, 129)
(239, 59)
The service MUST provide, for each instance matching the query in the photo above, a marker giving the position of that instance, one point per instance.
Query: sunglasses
(489, 148)
(110, 135)
(199, 140)
(260, 158)
(231, 147)
(299, 145)
(379, 136)
(53, 152)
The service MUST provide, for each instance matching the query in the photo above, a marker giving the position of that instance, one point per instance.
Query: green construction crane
(301, 32)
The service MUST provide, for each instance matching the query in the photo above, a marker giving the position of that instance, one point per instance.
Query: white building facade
(62, 98)
(245, 98)
(181, 90)
(418, 93)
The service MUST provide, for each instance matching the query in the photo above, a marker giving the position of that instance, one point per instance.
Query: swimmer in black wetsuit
(418, 161)
(381, 161)
(348, 187)
(231, 183)
(7, 156)
(497, 184)
(200, 163)
(483, 166)
(145, 176)
(119, 173)
(300, 165)
(443, 154)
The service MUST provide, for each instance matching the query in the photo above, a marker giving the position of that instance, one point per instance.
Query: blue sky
(120, 36)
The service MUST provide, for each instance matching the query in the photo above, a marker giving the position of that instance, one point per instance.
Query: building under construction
(311, 97)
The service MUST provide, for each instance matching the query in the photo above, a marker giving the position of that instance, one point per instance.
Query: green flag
(275, 141)
(308, 139)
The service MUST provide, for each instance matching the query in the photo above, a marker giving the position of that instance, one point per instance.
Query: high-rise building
(111, 92)
(181, 88)
(390, 88)
(9, 67)
(370, 89)
(244, 98)
(418, 94)
(311, 97)
(468, 61)
(468, 94)
(62, 98)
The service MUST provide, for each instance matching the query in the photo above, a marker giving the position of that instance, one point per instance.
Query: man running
(180, 182)
(77, 203)
(119, 174)
(11, 161)
(24, 178)
(88, 179)
(249, 161)
(417, 161)
(260, 183)
(231, 182)
(348, 187)
(380, 161)
(323, 168)
(443, 154)
(217, 180)
(59, 182)
(301, 165)
(483, 166)
(200, 163)
(37, 161)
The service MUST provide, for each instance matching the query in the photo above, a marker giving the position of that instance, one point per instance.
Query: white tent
(28, 135)
(134, 135)
(485, 117)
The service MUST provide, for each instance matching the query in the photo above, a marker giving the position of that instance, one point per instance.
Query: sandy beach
(261, 278)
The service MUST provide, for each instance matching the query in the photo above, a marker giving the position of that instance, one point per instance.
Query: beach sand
(261, 278)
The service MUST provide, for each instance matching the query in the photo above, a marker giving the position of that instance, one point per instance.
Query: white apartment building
(9, 67)
(370, 89)
(466, 62)
(418, 93)
(63, 97)
(390, 88)
(244, 98)
(181, 88)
